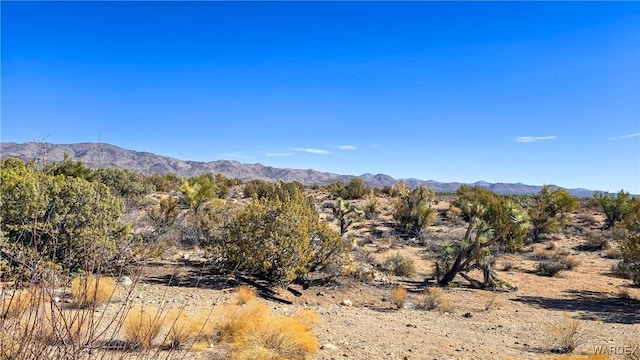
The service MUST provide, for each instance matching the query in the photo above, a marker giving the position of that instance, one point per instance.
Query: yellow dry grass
(398, 295)
(245, 294)
(92, 290)
(309, 318)
(282, 337)
(142, 325)
(184, 327)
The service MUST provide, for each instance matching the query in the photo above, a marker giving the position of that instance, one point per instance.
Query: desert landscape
(560, 293)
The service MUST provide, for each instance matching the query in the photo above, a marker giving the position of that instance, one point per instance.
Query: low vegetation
(67, 232)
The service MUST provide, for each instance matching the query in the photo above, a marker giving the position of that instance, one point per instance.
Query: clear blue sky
(534, 92)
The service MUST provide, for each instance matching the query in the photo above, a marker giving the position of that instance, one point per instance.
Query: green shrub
(412, 209)
(64, 220)
(279, 239)
(627, 233)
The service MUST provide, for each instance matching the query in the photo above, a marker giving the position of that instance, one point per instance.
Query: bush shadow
(594, 305)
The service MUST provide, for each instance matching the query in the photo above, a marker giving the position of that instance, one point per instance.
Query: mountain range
(102, 155)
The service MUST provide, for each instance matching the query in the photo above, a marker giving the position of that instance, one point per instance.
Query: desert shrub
(627, 233)
(245, 294)
(354, 190)
(399, 265)
(92, 290)
(614, 207)
(280, 240)
(198, 192)
(549, 211)
(550, 267)
(507, 266)
(570, 262)
(433, 298)
(454, 215)
(126, 184)
(594, 241)
(566, 335)
(372, 206)
(271, 190)
(398, 295)
(67, 222)
(163, 216)
(164, 183)
(142, 325)
(412, 209)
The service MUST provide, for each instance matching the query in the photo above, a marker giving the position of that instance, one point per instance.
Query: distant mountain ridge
(101, 155)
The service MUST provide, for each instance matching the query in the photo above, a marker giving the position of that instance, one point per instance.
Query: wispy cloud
(623, 136)
(527, 139)
(278, 154)
(235, 155)
(347, 147)
(312, 151)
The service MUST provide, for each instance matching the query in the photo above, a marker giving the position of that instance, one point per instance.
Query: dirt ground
(361, 321)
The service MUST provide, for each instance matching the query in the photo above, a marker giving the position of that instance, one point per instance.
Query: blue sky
(531, 92)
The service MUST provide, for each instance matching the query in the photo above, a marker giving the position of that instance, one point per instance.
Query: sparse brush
(566, 335)
(613, 253)
(491, 301)
(432, 298)
(92, 290)
(245, 294)
(142, 325)
(507, 266)
(400, 265)
(624, 293)
(550, 268)
(309, 318)
(398, 295)
(571, 262)
(594, 241)
(281, 337)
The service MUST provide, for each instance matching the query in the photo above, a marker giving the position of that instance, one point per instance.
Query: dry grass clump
(255, 334)
(236, 320)
(566, 335)
(245, 294)
(434, 298)
(282, 337)
(398, 295)
(92, 290)
(19, 301)
(142, 325)
(309, 318)
(184, 327)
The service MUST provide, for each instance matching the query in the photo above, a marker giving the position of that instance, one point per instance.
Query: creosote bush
(281, 240)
